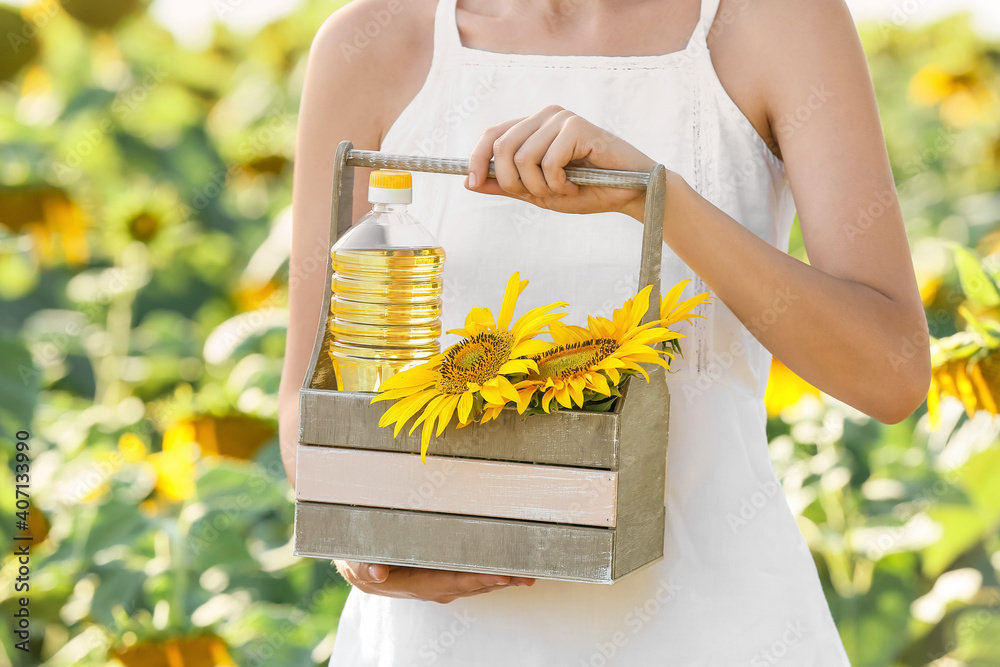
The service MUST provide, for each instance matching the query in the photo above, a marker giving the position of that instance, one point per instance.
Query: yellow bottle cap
(386, 186)
(390, 179)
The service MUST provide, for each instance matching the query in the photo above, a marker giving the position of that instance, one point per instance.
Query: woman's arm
(351, 92)
(354, 89)
(851, 323)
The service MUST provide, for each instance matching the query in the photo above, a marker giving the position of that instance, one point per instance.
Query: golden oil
(385, 313)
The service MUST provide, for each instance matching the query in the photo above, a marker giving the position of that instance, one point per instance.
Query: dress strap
(446, 38)
(709, 8)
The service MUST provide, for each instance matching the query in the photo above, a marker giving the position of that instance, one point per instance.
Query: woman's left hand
(530, 155)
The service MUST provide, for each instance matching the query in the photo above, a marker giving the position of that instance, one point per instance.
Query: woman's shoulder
(378, 50)
(364, 30)
(795, 44)
(779, 31)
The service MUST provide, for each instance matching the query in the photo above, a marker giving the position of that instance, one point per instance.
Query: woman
(745, 104)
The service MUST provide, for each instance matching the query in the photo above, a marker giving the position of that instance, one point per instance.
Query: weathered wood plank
(570, 438)
(452, 542)
(555, 494)
(320, 374)
(642, 474)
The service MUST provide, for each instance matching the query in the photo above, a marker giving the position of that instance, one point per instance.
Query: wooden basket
(573, 496)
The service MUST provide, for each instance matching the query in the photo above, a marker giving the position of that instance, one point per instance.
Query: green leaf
(966, 526)
(117, 523)
(607, 405)
(18, 388)
(873, 626)
(978, 632)
(118, 585)
(962, 528)
(976, 284)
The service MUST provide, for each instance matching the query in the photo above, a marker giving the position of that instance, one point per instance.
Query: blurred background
(145, 171)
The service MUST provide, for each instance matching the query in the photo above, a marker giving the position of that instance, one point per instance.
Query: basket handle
(654, 183)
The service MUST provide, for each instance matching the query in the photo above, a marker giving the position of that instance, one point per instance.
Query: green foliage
(18, 388)
(976, 283)
(137, 179)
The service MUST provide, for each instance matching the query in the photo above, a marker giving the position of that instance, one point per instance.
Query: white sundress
(737, 584)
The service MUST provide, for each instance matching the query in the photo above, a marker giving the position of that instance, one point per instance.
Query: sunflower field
(145, 185)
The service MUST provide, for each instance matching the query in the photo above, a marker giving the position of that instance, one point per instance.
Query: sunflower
(595, 358)
(673, 310)
(965, 366)
(785, 388)
(471, 373)
(51, 217)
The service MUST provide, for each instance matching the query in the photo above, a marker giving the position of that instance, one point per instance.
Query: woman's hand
(530, 155)
(419, 583)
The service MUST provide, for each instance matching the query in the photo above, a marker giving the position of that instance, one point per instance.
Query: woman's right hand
(420, 583)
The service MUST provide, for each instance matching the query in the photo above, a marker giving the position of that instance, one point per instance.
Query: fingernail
(372, 574)
(473, 181)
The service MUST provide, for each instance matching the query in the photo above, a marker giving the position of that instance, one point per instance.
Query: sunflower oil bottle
(385, 313)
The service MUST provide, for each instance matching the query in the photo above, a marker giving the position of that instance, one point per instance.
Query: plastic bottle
(385, 313)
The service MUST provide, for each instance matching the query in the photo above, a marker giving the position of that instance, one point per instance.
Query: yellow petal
(529, 324)
(429, 412)
(477, 321)
(601, 327)
(638, 369)
(647, 354)
(673, 295)
(411, 378)
(402, 392)
(562, 395)
(632, 348)
(481, 318)
(524, 398)
(654, 335)
(401, 411)
(648, 359)
(425, 439)
(465, 407)
(447, 412)
(682, 311)
(514, 288)
(518, 366)
(490, 413)
(547, 398)
(492, 394)
(945, 381)
(618, 319)
(564, 334)
(506, 389)
(983, 390)
(530, 348)
(599, 383)
(576, 390)
(966, 391)
(638, 307)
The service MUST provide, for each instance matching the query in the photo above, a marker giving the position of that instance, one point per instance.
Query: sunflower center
(475, 359)
(567, 360)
